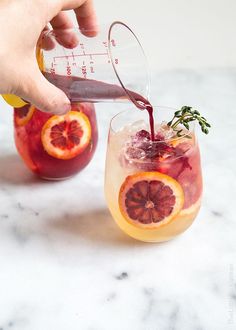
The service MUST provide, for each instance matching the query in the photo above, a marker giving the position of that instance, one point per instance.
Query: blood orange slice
(150, 199)
(67, 136)
(24, 114)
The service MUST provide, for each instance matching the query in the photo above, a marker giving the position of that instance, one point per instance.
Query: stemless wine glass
(153, 189)
(56, 147)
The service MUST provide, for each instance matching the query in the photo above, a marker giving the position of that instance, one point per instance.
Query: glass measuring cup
(108, 67)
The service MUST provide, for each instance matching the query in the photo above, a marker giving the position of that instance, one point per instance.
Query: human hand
(21, 24)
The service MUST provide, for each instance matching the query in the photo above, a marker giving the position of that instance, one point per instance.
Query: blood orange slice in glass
(150, 199)
(24, 114)
(67, 136)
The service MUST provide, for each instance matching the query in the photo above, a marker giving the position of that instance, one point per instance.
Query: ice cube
(137, 144)
(143, 134)
(166, 131)
(136, 126)
(132, 153)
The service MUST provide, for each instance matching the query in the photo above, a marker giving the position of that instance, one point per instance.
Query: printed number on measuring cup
(68, 70)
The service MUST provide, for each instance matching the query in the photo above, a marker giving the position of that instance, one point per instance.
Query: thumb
(42, 94)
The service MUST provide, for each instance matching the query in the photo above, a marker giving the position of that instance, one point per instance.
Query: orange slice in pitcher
(150, 199)
(24, 114)
(67, 136)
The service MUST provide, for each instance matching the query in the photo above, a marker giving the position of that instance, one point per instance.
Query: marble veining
(122, 276)
(65, 265)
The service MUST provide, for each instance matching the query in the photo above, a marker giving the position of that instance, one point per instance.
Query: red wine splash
(88, 90)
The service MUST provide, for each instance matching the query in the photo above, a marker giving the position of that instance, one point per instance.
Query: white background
(179, 33)
(61, 254)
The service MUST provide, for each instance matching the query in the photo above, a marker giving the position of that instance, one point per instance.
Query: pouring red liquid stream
(88, 90)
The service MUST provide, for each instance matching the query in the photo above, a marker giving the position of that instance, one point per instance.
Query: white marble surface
(65, 265)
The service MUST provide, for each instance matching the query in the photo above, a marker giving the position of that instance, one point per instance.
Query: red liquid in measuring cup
(88, 90)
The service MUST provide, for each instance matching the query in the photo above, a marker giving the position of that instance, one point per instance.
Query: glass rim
(177, 138)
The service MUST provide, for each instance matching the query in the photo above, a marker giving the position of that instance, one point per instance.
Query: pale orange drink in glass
(153, 188)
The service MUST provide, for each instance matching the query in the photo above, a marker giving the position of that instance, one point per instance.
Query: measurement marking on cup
(78, 55)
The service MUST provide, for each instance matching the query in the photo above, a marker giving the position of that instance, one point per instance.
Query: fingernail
(64, 109)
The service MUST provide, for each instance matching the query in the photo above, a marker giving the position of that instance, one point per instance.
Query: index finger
(63, 30)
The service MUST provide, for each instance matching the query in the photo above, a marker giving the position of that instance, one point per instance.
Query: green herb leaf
(186, 115)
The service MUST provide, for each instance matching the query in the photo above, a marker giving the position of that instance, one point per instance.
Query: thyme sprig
(184, 116)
